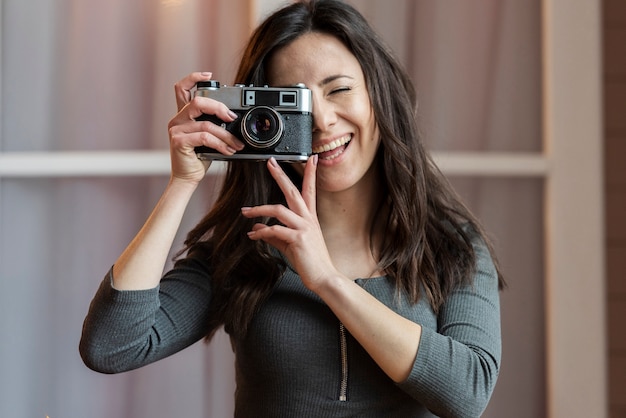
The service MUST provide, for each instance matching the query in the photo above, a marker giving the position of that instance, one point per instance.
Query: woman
(356, 284)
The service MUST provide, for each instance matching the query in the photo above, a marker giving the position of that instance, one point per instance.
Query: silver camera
(273, 121)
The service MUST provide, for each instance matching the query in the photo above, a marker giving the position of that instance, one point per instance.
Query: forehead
(311, 58)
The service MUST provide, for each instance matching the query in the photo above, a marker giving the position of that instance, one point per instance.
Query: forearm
(390, 339)
(448, 362)
(141, 264)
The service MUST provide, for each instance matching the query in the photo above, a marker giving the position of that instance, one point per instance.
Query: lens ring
(262, 127)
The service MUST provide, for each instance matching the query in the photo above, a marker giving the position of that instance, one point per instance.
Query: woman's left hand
(389, 338)
(298, 236)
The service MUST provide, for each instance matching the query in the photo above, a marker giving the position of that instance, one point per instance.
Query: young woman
(356, 284)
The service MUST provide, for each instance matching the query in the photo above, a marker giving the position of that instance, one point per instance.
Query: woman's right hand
(186, 133)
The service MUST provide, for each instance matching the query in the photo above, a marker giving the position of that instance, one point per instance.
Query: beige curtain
(477, 69)
(95, 76)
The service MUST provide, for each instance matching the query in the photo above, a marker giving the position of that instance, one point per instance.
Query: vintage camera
(273, 121)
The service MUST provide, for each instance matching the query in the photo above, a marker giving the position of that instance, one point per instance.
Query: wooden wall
(615, 188)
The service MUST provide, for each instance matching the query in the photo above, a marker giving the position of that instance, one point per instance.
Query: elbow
(473, 408)
(467, 406)
(475, 400)
(471, 400)
(97, 359)
(92, 358)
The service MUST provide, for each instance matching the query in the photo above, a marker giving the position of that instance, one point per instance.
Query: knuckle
(279, 210)
(176, 140)
(205, 137)
(223, 109)
(292, 191)
(195, 101)
(172, 125)
(206, 126)
(173, 132)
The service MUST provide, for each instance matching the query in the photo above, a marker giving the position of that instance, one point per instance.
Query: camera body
(273, 121)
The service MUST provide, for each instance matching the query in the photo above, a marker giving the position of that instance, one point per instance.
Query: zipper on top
(343, 346)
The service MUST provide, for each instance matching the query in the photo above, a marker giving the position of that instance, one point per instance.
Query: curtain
(478, 73)
(98, 76)
(477, 70)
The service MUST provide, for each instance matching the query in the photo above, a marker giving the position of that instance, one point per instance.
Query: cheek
(366, 112)
(372, 126)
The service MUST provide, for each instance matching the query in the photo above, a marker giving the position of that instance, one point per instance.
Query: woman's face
(345, 133)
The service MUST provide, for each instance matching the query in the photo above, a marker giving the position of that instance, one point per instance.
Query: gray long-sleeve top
(297, 360)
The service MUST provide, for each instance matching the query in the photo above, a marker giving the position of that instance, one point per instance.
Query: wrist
(183, 183)
(329, 284)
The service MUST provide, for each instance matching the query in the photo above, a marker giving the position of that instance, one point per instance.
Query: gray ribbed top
(290, 362)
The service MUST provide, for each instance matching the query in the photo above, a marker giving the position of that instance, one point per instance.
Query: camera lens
(262, 127)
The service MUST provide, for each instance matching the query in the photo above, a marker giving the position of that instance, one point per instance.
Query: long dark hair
(427, 248)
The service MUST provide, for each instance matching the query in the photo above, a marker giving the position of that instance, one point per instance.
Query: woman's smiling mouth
(333, 149)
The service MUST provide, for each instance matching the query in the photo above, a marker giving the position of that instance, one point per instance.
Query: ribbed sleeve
(457, 364)
(124, 330)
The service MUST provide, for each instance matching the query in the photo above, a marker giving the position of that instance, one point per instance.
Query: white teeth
(331, 146)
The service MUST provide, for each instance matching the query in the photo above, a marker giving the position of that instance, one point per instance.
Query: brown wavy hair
(427, 248)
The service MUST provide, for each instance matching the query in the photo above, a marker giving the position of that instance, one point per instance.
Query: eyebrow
(332, 78)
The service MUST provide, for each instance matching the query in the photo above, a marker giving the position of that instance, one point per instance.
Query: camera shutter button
(210, 84)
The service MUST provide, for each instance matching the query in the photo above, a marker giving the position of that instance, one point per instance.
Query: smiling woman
(361, 270)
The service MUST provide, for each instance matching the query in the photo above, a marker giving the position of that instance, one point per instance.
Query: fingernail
(231, 150)
(233, 114)
(273, 162)
(206, 73)
(245, 209)
(315, 158)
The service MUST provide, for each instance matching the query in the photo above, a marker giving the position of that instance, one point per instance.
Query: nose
(324, 115)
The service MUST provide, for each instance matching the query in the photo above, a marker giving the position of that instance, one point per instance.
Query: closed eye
(340, 90)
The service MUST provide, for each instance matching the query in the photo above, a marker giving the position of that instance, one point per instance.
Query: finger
(308, 184)
(223, 135)
(182, 88)
(277, 236)
(194, 134)
(205, 106)
(185, 120)
(291, 192)
(197, 139)
(199, 106)
(279, 212)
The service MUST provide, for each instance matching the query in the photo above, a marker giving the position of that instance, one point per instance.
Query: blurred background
(522, 104)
